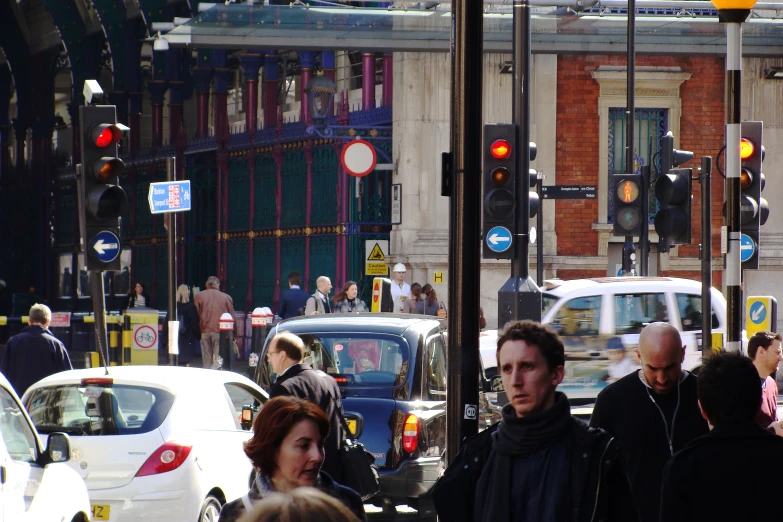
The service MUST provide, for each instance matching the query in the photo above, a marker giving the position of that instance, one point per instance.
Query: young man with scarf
(539, 463)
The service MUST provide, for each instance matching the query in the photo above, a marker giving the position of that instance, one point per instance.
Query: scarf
(516, 437)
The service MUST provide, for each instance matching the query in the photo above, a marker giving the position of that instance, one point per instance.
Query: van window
(690, 312)
(579, 316)
(436, 353)
(632, 312)
(15, 432)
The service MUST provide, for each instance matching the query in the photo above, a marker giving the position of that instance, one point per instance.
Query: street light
(320, 91)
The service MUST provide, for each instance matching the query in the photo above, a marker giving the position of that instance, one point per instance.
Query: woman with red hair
(287, 451)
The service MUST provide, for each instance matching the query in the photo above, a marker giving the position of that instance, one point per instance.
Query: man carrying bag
(360, 471)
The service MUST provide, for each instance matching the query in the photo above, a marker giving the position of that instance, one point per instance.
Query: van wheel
(210, 510)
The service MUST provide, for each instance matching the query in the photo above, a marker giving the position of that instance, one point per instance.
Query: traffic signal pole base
(519, 299)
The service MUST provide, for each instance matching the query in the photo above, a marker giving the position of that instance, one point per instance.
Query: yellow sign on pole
(761, 313)
(437, 278)
(376, 253)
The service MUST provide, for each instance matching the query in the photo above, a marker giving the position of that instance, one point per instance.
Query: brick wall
(701, 131)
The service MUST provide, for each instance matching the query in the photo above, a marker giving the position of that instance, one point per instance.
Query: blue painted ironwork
(650, 123)
(292, 259)
(264, 272)
(323, 251)
(324, 171)
(237, 269)
(238, 194)
(264, 197)
(294, 187)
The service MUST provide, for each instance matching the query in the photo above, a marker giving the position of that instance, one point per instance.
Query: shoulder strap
(246, 502)
(344, 423)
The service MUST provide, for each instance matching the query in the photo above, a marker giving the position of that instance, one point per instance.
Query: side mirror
(496, 384)
(58, 448)
(248, 413)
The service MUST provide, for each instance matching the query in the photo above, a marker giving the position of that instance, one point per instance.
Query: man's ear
(682, 358)
(703, 414)
(558, 375)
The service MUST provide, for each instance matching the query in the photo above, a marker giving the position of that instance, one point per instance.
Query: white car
(599, 321)
(152, 443)
(35, 485)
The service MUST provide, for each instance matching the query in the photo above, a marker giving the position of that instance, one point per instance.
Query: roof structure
(598, 30)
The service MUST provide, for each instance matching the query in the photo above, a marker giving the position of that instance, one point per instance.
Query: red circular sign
(145, 337)
(358, 158)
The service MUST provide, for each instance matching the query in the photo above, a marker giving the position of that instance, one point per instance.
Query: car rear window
(98, 410)
(358, 361)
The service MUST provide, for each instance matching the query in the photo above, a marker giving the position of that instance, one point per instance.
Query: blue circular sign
(105, 246)
(747, 247)
(498, 239)
(758, 312)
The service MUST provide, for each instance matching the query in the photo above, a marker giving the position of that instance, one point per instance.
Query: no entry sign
(358, 158)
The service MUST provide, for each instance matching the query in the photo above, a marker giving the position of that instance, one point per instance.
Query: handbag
(442, 314)
(359, 469)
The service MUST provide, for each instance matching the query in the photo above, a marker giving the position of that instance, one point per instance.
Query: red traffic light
(105, 135)
(627, 191)
(500, 149)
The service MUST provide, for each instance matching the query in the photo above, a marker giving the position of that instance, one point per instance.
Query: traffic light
(671, 157)
(498, 171)
(754, 210)
(101, 199)
(535, 203)
(673, 220)
(628, 219)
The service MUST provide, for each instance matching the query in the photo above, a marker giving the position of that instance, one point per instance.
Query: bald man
(653, 413)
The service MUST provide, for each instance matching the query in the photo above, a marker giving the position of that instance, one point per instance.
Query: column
(202, 77)
(251, 63)
(157, 90)
(20, 129)
(5, 123)
(308, 153)
(270, 89)
(134, 121)
(388, 79)
(368, 81)
(306, 65)
(327, 64)
(41, 143)
(221, 136)
(76, 136)
(176, 89)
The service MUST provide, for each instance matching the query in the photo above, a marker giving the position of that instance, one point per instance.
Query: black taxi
(391, 369)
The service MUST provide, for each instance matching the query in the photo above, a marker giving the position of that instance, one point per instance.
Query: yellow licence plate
(351, 425)
(100, 511)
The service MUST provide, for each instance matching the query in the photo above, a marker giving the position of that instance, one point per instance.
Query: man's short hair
(761, 340)
(321, 280)
(536, 334)
(40, 314)
(291, 344)
(213, 282)
(728, 389)
(294, 279)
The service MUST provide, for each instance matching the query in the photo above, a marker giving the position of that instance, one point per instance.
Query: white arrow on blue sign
(499, 239)
(758, 312)
(105, 246)
(747, 247)
(169, 196)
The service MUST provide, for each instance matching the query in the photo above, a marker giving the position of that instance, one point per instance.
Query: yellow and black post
(127, 339)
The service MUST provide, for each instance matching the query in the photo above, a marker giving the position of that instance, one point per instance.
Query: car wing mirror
(248, 414)
(496, 384)
(58, 449)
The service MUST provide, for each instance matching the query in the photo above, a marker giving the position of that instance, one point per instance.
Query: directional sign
(169, 196)
(747, 247)
(569, 192)
(105, 246)
(761, 314)
(499, 239)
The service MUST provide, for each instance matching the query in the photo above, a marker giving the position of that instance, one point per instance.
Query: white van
(600, 319)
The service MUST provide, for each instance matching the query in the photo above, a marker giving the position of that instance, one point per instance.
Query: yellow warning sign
(376, 254)
(438, 277)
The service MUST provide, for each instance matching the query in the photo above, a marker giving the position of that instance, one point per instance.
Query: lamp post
(733, 13)
(320, 91)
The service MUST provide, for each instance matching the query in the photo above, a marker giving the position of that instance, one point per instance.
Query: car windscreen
(98, 410)
(358, 361)
(547, 302)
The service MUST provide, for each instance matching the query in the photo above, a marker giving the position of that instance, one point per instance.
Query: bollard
(260, 320)
(127, 340)
(225, 358)
(114, 347)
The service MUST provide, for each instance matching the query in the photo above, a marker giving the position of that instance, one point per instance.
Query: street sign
(358, 158)
(747, 247)
(498, 239)
(568, 192)
(375, 256)
(761, 314)
(60, 320)
(105, 246)
(169, 196)
(145, 337)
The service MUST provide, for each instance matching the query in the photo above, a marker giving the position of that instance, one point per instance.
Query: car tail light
(97, 381)
(410, 433)
(168, 457)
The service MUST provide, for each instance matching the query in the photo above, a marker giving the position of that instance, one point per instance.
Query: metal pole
(171, 247)
(540, 230)
(644, 237)
(630, 112)
(465, 223)
(706, 255)
(521, 108)
(99, 310)
(733, 135)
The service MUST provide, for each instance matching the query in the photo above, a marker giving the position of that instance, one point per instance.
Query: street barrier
(225, 351)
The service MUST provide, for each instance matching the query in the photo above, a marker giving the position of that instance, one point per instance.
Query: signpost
(569, 192)
(498, 239)
(169, 196)
(747, 247)
(105, 246)
(375, 257)
(761, 314)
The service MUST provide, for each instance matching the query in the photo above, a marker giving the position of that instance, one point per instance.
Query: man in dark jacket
(728, 474)
(34, 353)
(298, 379)
(294, 299)
(538, 463)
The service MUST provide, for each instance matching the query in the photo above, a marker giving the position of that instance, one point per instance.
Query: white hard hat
(399, 267)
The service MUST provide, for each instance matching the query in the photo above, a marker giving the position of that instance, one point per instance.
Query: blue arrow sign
(169, 196)
(498, 239)
(758, 312)
(105, 246)
(747, 247)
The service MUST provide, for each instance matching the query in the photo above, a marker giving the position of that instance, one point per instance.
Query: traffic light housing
(499, 173)
(754, 210)
(673, 220)
(628, 219)
(101, 198)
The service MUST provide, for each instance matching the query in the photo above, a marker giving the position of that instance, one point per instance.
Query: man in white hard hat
(400, 290)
